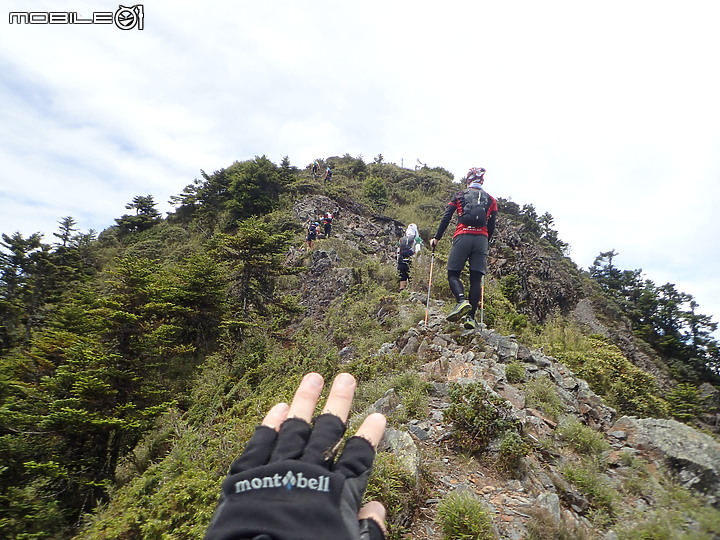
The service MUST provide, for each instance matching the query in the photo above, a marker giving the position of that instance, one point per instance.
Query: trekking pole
(482, 299)
(427, 303)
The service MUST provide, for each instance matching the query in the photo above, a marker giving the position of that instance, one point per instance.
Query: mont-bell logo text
(289, 481)
(124, 17)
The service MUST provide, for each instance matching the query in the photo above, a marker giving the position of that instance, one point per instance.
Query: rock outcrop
(691, 456)
(482, 356)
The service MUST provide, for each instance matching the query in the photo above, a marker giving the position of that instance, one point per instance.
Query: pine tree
(146, 215)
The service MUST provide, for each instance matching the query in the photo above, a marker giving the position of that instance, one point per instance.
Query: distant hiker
(327, 220)
(408, 246)
(315, 169)
(312, 232)
(328, 174)
(477, 212)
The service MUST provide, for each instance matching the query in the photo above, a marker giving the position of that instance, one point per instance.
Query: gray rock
(402, 446)
(693, 455)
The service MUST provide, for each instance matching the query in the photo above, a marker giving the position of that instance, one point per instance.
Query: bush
(478, 415)
(462, 516)
(594, 485)
(609, 373)
(542, 394)
(512, 449)
(684, 402)
(582, 438)
(515, 372)
(409, 388)
(396, 489)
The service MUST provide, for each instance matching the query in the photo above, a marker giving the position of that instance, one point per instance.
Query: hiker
(287, 484)
(315, 169)
(409, 245)
(328, 174)
(477, 212)
(312, 232)
(327, 220)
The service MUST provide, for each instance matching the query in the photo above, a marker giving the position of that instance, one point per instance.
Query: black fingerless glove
(287, 486)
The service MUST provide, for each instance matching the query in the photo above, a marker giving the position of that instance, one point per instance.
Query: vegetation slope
(136, 362)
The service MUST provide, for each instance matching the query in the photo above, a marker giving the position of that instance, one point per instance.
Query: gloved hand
(287, 486)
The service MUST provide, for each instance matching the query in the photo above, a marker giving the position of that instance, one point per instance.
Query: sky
(604, 114)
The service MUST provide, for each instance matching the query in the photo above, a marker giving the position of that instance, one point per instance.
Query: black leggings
(456, 287)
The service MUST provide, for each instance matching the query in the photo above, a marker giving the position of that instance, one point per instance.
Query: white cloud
(604, 115)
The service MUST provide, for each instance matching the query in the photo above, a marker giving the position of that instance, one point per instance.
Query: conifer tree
(254, 259)
(146, 215)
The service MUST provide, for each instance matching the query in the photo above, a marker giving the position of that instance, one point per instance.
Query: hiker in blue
(408, 246)
(477, 212)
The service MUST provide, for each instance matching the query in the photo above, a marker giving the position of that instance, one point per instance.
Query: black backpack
(475, 206)
(407, 246)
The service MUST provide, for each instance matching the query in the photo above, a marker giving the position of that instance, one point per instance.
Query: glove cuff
(370, 530)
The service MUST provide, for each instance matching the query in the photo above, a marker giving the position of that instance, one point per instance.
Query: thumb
(375, 511)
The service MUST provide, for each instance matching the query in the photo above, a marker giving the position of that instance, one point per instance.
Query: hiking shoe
(469, 323)
(459, 311)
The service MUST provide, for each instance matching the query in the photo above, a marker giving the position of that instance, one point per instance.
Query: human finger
(306, 397)
(341, 396)
(359, 452)
(295, 430)
(324, 440)
(373, 428)
(375, 511)
(329, 427)
(276, 416)
(260, 446)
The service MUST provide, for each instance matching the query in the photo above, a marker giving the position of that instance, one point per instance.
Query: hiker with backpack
(312, 232)
(408, 246)
(477, 213)
(328, 174)
(327, 220)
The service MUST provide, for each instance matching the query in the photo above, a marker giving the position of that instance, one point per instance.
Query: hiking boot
(469, 323)
(459, 311)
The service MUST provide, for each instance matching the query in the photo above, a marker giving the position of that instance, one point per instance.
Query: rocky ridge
(424, 445)
(688, 455)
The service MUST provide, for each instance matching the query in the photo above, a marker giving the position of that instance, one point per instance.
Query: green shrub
(582, 438)
(462, 516)
(478, 415)
(397, 489)
(410, 389)
(684, 402)
(542, 394)
(512, 449)
(515, 372)
(609, 373)
(594, 485)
